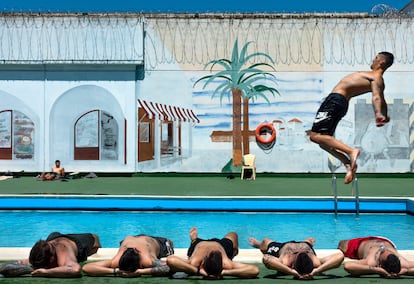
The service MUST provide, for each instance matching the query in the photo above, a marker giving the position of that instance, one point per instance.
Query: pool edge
(210, 203)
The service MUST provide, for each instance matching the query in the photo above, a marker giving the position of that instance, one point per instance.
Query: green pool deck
(199, 184)
(266, 276)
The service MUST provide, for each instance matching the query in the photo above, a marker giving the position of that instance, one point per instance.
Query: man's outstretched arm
(178, 264)
(242, 270)
(378, 102)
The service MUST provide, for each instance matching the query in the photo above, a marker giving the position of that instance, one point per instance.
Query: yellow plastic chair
(249, 163)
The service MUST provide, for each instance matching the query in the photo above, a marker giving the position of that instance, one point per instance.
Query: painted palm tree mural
(244, 84)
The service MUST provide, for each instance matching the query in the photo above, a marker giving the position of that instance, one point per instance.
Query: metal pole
(355, 185)
(335, 192)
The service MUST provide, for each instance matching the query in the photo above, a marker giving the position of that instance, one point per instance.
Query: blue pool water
(23, 228)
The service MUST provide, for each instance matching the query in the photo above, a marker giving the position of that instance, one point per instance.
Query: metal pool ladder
(333, 166)
(355, 191)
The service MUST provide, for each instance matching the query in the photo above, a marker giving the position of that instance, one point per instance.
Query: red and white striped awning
(168, 112)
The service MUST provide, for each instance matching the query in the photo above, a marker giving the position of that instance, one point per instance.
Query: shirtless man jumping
(374, 255)
(137, 255)
(212, 258)
(335, 107)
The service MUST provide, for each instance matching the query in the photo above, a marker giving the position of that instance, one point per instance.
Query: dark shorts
(274, 247)
(331, 111)
(166, 245)
(84, 242)
(226, 243)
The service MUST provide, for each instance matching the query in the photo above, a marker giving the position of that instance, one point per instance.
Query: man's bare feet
(353, 157)
(311, 241)
(193, 233)
(352, 168)
(349, 176)
(254, 242)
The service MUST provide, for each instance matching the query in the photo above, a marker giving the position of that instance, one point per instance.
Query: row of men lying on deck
(61, 255)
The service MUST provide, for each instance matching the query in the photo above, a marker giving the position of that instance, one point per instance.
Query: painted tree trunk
(246, 136)
(237, 135)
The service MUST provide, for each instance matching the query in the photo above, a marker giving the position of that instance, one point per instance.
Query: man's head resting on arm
(41, 255)
(130, 260)
(391, 264)
(213, 264)
(303, 264)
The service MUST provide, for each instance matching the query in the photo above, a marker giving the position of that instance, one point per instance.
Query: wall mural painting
(244, 83)
(109, 137)
(383, 149)
(291, 151)
(144, 132)
(87, 134)
(5, 129)
(97, 130)
(23, 135)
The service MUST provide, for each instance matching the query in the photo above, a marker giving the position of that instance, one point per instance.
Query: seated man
(137, 255)
(60, 254)
(375, 255)
(212, 258)
(58, 169)
(295, 258)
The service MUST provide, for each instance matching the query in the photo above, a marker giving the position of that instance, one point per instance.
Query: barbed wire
(387, 11)
(289, 41)
(70, 38)
(292, 40)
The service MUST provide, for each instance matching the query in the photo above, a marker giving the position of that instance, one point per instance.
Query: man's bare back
(371, 247)
(294, 248)
(358, 83)
(204, 248)
(65, 250)
(148, 247)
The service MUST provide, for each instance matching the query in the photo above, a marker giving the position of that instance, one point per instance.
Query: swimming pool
(23, 228)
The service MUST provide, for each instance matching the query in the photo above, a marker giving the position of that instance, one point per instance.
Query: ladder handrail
(355, 190)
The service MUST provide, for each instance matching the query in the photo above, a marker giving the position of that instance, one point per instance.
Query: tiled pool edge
(202, 203)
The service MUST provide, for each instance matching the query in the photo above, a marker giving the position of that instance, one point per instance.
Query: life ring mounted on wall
(265, 133)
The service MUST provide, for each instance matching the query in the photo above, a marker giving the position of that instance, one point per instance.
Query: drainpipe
(157, 142)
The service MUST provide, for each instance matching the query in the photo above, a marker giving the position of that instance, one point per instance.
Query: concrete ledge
(210, 203)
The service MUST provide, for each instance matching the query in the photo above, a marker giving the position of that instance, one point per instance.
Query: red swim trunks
(353, 245)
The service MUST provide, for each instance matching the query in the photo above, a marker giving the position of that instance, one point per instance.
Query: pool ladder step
(355, 192)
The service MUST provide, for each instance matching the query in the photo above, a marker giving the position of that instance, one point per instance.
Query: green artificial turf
(337, 275)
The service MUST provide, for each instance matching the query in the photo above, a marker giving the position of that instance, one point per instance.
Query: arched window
(16, 136)
(96, 136)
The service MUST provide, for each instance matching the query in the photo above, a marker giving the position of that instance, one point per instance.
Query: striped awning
(168, 112)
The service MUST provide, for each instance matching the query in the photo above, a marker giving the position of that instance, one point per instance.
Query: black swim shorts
(166, 245)
(226, 243)
(331, 111)
(274, 247)
(84, 242)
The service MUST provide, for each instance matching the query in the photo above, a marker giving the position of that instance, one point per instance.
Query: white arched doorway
(86, 127)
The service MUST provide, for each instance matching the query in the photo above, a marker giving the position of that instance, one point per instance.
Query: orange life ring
(265, 128)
